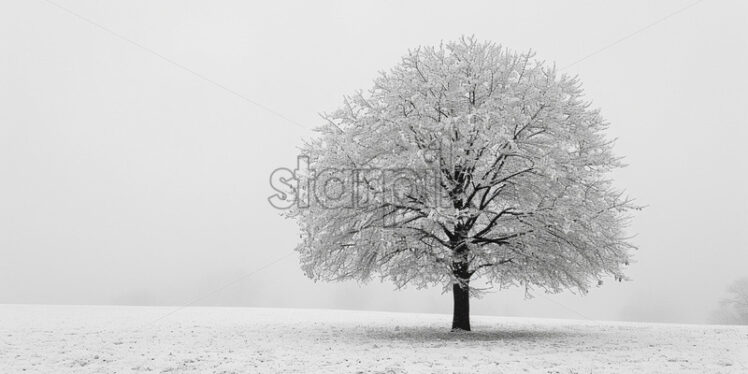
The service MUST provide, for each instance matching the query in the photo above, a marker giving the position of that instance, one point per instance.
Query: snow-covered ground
(115, 339)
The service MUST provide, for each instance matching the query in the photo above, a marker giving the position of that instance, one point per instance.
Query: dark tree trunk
(460, 270)
(461, 314)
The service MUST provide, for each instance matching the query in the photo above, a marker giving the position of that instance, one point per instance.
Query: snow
(119, 339)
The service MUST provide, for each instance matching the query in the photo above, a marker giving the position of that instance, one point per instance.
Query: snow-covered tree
(465, 161)
(733, 308)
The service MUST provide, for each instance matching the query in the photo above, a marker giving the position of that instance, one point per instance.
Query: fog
(137, 139)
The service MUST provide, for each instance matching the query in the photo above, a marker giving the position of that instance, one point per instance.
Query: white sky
(125, 179)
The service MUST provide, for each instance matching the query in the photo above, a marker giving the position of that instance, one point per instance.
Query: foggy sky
(127, 179)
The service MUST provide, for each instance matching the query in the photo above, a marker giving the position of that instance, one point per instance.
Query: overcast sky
(129, 178)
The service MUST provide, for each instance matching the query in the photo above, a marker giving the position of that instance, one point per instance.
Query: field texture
(109, 339)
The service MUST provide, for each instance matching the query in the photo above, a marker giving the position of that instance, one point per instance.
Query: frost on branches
(465, 161)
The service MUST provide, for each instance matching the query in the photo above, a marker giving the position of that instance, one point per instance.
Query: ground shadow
(479, 333)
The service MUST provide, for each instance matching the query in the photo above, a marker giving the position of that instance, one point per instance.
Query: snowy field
(109, 339)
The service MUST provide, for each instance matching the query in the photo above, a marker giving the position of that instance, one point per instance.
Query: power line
(629, 36)
(177, 64)
(282, 116)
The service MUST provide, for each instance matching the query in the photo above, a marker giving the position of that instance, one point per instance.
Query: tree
(465, 161)
(733, 308)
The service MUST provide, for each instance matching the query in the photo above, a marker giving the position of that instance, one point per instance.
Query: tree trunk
(461, 314)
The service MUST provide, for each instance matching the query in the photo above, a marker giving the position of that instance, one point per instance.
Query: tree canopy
(465, 160)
